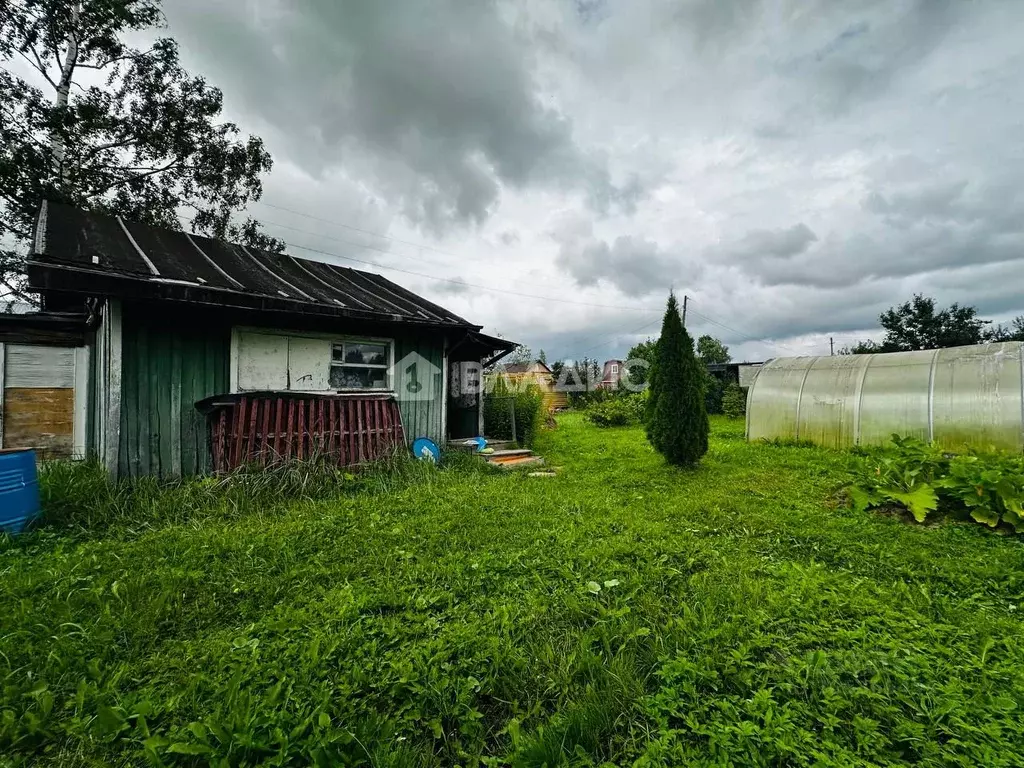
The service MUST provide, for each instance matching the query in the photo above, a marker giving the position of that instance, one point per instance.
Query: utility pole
(831, 347)
(685, 299)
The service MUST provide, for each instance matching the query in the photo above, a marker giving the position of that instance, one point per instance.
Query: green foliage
(918, 476)
(620, 613)
(734, 402)
(710, 350)
(714, 390)
(618, 411)
(918, 324)
(527, 402)
(114, 128)
(583, 378)
(1012, 332)
(677, 420)
(640, 375)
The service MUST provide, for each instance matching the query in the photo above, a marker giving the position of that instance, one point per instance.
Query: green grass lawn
(621, 613)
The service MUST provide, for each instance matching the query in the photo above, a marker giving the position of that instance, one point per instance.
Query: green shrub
(714, 391)
(989, 487)
(734, 402)
(527, 404)
(589, 397)
(618, 411)
(677, 421)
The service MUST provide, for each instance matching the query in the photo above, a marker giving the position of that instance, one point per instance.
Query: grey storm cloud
(434, 104)
(762, 244)
(636, 266)
(794, 166)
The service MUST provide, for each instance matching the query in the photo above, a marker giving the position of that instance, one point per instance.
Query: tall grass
(80, 497)
(619, 613)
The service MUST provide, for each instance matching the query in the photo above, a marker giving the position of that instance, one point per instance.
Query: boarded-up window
(279, 362)
(309, 364)
(262, 361)
(39, 399)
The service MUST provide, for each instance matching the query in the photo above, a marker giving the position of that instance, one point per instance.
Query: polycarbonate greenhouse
(958, 397)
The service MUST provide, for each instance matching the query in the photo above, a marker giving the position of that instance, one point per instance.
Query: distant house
(612, 375)
(163, 353)
(538, 373)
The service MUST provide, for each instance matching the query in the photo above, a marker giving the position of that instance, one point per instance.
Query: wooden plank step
(509, 452)
(517, 462)
(497, 445)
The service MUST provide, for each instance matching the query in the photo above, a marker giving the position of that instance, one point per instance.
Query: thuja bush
(677, 419)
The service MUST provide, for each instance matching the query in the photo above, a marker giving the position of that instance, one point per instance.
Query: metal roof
(85, 252)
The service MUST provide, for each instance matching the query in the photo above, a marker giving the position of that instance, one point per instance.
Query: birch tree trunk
(67, 72)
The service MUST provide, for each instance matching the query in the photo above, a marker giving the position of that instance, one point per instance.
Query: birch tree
(89, 120)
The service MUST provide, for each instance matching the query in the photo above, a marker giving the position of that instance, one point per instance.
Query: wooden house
(612, 374)
(537, 372)
(192, 354)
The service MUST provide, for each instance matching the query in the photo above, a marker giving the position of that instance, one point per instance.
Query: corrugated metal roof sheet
(87, 243)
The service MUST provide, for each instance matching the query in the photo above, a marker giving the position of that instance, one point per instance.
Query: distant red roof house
(612, 375)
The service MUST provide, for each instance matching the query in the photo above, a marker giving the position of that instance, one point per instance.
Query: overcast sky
(794, 167)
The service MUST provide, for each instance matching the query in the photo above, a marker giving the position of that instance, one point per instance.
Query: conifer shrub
(677, 421)
(734, 402)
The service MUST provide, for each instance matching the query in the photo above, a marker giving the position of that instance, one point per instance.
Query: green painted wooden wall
(166, 368)
(168, 365)
(423, 418)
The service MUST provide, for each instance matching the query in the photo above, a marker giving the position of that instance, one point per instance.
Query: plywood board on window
(309, 362)
(40, 418)
(262, 361)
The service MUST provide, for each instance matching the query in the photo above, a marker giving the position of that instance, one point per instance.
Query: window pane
(352, 377)
(366, 354)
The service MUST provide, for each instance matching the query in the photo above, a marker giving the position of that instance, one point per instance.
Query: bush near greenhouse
(734, 402)
(986, 487)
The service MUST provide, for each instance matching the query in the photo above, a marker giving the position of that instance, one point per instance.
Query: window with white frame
(615, 369)
(359, 364)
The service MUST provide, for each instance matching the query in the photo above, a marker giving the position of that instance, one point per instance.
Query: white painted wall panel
(32, 366)
(309, 363)
(262, 361)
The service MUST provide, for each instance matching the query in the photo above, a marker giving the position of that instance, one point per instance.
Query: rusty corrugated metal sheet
(958, 397)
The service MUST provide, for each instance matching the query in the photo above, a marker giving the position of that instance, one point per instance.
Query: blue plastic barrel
(19, 490)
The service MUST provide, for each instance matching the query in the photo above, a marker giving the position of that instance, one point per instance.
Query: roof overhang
(46, 276)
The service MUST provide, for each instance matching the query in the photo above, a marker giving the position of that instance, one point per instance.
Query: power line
(358, 229)
(741, 334)
(612, 339)
(468, 285)
(378, 265)
(462, 283)
(354, 228)
(418, 259)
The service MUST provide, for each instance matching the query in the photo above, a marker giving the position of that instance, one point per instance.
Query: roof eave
(50, 276)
